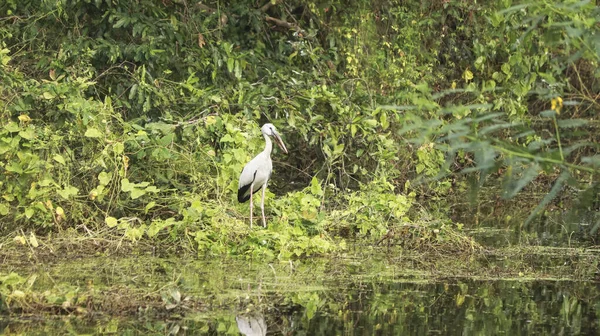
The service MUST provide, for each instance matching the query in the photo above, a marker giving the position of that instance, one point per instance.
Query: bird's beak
(280, 143)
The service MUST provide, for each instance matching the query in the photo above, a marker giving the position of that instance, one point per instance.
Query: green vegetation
(133, 119)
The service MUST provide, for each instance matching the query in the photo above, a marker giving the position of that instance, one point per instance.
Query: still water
(342, 298)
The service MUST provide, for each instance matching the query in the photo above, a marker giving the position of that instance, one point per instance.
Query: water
(155, 296)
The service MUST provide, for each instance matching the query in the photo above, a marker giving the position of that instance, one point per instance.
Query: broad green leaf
(60, 211)
(127, 186)
(593, 160)
(68, 192)
(149, 206)
(152, 189)
(48, 95)
(467, 75)
(315, 187)
(505, 68)
(28, 134)
(370, 122)
(111, 221)
(104, 178)
(29, 212)
(4, 209)
(59, 158)
(93, 133)
(12, 127)
(137, 193)
(14, 167)
(118, 148)
(33, 240)
(568, 123)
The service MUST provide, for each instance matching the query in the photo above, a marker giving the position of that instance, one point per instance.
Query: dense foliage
(139, 115)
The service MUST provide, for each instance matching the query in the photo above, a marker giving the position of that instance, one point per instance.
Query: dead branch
(270, 4)
(284, 24)
(205, 8)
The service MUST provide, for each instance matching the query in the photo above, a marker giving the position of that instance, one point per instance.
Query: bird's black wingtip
(242, 195)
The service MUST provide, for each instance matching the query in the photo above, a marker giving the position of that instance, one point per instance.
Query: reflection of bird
(252, 325)
(257, 172)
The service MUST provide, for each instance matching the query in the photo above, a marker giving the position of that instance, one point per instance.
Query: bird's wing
(248, 173)
(253, 172)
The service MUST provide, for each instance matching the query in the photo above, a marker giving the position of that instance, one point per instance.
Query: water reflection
(251, 325)
(448, 307)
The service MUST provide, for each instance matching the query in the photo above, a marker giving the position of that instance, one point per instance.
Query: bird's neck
(268, 145)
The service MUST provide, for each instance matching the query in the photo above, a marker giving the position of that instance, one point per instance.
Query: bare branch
(284, 24)
(205, 8)
(270, 4)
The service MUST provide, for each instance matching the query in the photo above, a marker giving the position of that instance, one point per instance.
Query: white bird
(257, 172)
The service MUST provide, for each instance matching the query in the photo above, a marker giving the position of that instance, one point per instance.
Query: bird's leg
(262, 204)
(251, 192)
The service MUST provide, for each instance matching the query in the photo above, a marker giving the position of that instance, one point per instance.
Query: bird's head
(270, 130)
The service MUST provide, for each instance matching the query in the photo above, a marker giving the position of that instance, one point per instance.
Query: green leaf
(118, 148)
(593, 160)
(14, 167)
(111, 221)
(68, 192)
(505, 68)
(12, 127)
(59, 158)
(132, 91)
(568, 123)
(137, 193)
(152, 189)
(149, 206)
(28, 134)
(315, 187)
(230, 63)
(467, 75)
(4, 209)
(104, 178)
(383, 120)
(48, 95)
(370, 122)
(127, 186)
(93, 133)
(29, 213)
(120, 23)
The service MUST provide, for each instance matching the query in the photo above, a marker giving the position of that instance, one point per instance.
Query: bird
(257, 172)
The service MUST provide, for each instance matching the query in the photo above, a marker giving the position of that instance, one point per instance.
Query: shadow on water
(356, 306)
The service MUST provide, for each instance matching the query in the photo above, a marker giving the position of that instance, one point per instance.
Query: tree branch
(270, 4)
(284, 24)
(206, 8)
